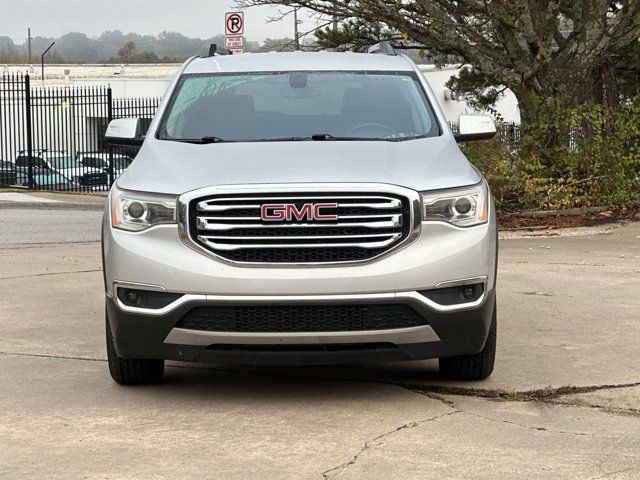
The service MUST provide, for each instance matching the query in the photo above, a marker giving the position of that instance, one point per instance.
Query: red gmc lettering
(306, 211)
(278, 212)
(272, 212)
(318, 215)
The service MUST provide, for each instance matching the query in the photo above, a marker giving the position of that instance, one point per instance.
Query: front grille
(301, 318)
(367, 225)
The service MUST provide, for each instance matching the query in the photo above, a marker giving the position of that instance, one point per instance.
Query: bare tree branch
(538, 48)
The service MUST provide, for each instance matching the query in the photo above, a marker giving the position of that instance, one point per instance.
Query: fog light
(136, 210)
(468, 292)
(132, 296)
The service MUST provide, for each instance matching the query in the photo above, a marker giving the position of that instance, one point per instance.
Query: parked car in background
(66, 165)
(44, 178)
(8, 173)
(101, 161)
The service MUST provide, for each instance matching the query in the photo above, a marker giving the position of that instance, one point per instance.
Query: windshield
(298, 106)
(63, 162)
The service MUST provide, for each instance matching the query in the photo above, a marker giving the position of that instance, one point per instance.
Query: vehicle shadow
(302, 382)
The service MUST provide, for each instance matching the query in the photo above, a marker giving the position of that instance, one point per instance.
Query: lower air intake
(301, 318)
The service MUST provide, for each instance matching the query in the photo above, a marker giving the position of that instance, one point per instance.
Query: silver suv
(300, 208)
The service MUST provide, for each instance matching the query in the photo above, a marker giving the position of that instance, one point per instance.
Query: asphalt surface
(564, 400)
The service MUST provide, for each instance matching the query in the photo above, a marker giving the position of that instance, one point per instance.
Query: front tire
(476, 366)
(131, 371)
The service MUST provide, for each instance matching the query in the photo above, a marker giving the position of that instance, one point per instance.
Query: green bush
(580, 157)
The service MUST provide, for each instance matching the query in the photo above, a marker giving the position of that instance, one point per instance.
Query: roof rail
(383, 48)
(211, 50)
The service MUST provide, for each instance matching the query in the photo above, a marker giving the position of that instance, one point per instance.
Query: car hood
(423, 164)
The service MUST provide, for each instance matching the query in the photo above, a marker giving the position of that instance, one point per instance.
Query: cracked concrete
(563, 402)
(378, 441)
(503, 440)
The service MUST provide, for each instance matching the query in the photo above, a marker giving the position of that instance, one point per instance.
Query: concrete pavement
(34, 199)
(564, 401)
(41, 226)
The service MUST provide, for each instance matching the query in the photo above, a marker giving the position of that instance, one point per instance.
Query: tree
(277, 45)
(8, 50)
(627, 71)
(127, 52)
(77, 46)
(113, 47)
(541, 49)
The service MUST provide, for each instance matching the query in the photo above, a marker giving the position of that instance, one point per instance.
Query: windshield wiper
(200, 141)
(212, 139)
(282, 139)
(316, 137)
(320, 137)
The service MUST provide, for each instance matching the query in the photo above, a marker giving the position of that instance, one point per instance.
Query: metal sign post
(42, 59)
(234, 29)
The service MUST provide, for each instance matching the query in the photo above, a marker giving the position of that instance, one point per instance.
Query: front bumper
(443, 334)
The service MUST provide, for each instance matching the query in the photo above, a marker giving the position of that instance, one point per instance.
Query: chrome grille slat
(208, 207)
(232, 246)
(237, 226)
(393, 217)
(267, 198)
(301, 237)
(230, 226)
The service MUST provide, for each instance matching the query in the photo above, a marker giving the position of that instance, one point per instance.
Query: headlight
(136, 211)
(463, 207)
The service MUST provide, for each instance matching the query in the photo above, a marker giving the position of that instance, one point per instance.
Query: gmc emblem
(281, 212)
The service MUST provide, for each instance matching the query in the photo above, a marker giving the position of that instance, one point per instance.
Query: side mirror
(475, 127)
(124, 131)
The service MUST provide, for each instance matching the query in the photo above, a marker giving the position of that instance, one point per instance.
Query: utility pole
(295, 28)
(335, 23)
(29, 43)
(42, 59)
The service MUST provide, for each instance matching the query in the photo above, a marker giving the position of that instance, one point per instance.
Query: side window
(23, 161)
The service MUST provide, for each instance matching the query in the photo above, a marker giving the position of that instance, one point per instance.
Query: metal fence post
(109, 118)
(29, 129)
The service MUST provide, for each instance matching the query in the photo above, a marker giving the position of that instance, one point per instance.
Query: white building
(507, 106)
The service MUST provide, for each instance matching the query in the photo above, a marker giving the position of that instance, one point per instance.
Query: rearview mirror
(475, 127)
(124, 131)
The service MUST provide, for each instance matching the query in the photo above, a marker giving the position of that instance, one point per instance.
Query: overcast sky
(194, 18)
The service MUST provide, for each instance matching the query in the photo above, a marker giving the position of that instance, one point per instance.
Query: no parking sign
(233, 29)
(234, 23)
